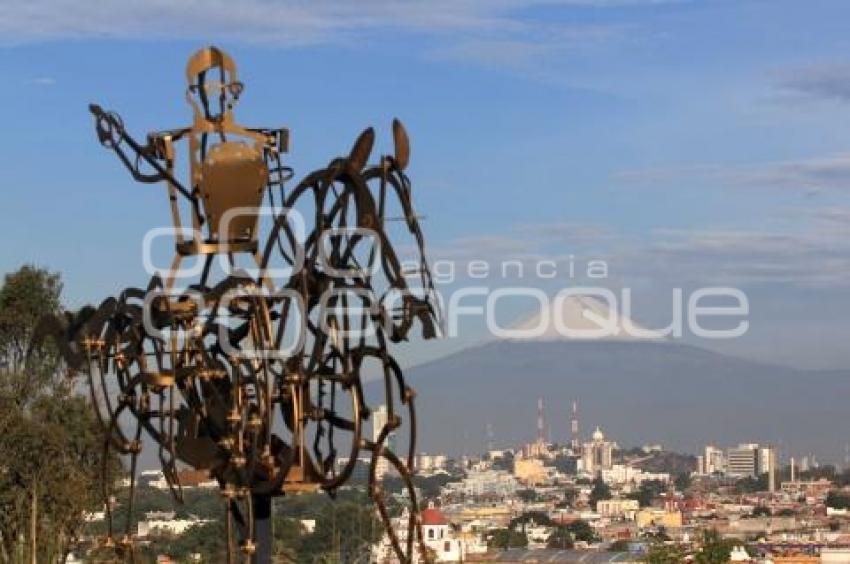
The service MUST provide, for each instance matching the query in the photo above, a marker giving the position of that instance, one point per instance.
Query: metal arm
(111, 134)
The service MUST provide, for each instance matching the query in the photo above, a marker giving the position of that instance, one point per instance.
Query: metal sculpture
(206, 369)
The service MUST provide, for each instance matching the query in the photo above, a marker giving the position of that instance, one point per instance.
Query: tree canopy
(50, 442)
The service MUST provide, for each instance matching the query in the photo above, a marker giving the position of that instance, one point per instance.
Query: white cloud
(283, 22)
(808, 174)
(814, 253)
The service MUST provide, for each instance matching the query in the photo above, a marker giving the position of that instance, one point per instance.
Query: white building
(157, 522)
(495, 483)
(439, 537)
(430, 463)
(380, 416)
(598, 454)
(835, 555)
(742, 461)
(620, 474)
(713, 461)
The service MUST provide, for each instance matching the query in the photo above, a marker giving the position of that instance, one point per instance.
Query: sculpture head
(213, 87)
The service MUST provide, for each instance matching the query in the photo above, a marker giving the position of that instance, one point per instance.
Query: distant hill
(638, 391)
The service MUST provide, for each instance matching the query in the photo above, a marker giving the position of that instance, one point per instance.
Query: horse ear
(362, 148)
(402, 145)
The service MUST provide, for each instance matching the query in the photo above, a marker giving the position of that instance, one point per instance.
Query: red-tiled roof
(433, 516)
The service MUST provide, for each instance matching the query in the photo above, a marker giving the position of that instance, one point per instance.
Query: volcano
(638, 387)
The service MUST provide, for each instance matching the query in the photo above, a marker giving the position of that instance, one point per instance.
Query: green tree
(50, 442)
(599, 492)
(503, 539)
(661, 553)
(207, 540)
(683, 481)
(647, 492)
(570, 495)
(620, 545)
(582, 531)
(751, 485)
(837, 500)
(715, 549)
(560, 539)
(761, 511)
(538, 517)
(527, 495)
(344, 531)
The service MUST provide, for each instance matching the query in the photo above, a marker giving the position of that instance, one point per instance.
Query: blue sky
(684, 142)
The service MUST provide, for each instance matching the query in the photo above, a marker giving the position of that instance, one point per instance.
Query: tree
(570, 495)
(50, 442)
(761, 511)
(619, 545)
(506, 538)
(599, 492)
(560, 539)
(751, 485)
(582, 531)
(647, 492)
(661, 553)
(344, 531)
(837, 500)
(527, 495)
(683, 481)
(209, 540)
(715, 549)
(537, 517)
(504, 462)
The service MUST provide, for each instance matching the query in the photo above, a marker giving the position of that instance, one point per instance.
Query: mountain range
(636, 390)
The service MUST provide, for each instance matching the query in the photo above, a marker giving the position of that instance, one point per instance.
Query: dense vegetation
(50, 442)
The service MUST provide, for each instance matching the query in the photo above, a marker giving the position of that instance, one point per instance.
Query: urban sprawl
(590, 500)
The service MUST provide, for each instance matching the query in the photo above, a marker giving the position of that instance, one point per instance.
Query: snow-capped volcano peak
(571, 316)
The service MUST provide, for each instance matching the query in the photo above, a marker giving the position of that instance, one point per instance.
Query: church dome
(597, 435)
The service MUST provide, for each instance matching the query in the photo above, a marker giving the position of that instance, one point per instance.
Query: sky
(684, 143)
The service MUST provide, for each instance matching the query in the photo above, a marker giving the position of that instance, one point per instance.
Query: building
(440, 537)
(598, 454)
(430, 463)
(654, 517)
(575, 441)
(767, 465)
(713, 461)
(489, 483)
(379, 419)
(835, 555)
(742, 461)
(620, 474)
(807, 488)
(445, 544)
(618, 508)
(159, 522)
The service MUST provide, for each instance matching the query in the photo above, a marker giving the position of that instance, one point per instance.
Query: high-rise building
(575, 441)
(767, 465)
(742, 461)
(598, 454)
(541, 437)
(714, 461)
(380, 417)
